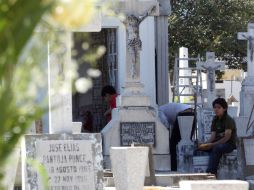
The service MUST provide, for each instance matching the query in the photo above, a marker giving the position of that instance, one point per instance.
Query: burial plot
(72, 162)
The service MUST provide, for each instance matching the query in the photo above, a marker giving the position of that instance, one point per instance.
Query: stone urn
(129, 167)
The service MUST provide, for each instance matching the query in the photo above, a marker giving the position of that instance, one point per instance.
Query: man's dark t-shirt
(220, 125)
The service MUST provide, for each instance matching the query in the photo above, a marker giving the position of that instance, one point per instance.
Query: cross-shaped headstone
(249, 36)
(135, 12)
(210, 66)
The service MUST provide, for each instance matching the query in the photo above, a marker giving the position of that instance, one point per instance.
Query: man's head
(107, 92)
(220, 106)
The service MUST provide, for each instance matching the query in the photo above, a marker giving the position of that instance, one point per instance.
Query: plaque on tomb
(72, 162)
(137, 133)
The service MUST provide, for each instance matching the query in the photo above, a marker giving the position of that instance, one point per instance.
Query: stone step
(165, 179)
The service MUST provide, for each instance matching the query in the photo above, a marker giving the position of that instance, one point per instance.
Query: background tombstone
(72, 162)
(135, 120)
(210, 66)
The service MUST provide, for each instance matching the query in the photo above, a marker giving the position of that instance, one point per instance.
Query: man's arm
(212, 137)
(228, 133)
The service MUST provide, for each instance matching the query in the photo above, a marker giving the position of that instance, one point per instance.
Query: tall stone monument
(247, 90)
(135, 121)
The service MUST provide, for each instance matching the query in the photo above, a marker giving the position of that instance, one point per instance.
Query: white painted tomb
(135, 120)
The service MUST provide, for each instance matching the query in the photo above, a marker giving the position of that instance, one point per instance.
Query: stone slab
(148, 188)
(168, 179)
(214, 184)
(72, 161)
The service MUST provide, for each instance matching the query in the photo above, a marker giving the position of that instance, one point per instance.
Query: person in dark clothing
(109, 94)
(223, 137)
(171, 111)
(87, 122)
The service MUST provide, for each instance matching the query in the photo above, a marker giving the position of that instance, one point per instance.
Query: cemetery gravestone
(72, 162)
(210, 66)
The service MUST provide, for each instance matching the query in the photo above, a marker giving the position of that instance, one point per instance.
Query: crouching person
(223, 137)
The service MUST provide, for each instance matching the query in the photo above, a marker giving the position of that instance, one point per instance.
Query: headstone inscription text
(69, 164)
(137, 132)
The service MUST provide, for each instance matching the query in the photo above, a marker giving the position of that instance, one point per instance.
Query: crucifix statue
(249, 36)
(210, 66)
(135, 12)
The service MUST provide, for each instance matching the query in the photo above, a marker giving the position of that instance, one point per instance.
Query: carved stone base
(142, 124)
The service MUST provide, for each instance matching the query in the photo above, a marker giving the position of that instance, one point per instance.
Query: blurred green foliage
(19, 106)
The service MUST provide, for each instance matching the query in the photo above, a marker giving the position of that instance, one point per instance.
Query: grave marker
(210, 66)
(71, 162)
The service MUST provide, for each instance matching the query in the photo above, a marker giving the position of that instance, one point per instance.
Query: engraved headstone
(210, 66)
(72, 162)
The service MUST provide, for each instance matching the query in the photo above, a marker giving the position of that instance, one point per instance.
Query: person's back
(171, 110)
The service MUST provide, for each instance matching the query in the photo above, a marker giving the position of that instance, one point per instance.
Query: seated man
(223, 136)
(170, 111)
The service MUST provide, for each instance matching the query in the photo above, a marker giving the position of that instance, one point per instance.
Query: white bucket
(200, 164)
(249, 150)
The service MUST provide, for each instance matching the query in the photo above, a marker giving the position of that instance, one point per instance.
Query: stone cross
(249, 36)
(135, 12)
(210, 66)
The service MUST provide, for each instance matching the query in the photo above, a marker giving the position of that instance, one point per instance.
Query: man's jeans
(215, 155)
